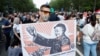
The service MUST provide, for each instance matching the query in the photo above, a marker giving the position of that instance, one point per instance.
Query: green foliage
(58, 4)
(79, 5)
(17, 5)
(23, 5)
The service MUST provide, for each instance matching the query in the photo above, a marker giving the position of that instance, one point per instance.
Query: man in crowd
(6, 26)
(46, 14)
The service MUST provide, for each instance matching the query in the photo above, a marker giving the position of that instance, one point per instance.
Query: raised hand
(32, 31)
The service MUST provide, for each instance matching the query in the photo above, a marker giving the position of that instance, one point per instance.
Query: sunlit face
(44, 13)
(58, 31)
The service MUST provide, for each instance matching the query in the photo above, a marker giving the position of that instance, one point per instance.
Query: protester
(61, 16)
(44, 13)
(88, 44)
(97, 12)
(6, 28)
(28, 19)
(80, 24)
(15, 47)
(2, 36)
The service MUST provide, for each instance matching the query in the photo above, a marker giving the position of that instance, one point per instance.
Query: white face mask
(45, 18)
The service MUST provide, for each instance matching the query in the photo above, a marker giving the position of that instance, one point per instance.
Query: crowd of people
(86, 22)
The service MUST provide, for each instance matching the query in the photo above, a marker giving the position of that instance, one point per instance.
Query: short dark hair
(93, 18)
(5, 14)
(45, 5)
(61, 25)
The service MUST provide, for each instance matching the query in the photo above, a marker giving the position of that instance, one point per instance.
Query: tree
(58, 4)
(18, 5)
(3, 5)
(79, 5)
(23, 5)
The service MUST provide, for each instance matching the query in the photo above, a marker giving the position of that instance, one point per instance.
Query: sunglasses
(45, 12)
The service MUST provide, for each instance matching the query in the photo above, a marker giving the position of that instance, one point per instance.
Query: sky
(38, 3)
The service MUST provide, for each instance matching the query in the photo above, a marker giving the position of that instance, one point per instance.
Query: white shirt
(61, 17)
(88, 30)
(16, 27)
(81, 22)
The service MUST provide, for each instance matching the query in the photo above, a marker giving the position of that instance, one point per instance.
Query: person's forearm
(6, 26)
(43, 41)
(16, 35)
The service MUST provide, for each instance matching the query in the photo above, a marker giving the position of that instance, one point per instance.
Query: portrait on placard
(49, 38)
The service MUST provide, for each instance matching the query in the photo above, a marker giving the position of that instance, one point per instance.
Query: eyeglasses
(45, 12)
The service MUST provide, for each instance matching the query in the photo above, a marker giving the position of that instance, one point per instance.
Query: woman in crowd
(15, 47)
(87, 31)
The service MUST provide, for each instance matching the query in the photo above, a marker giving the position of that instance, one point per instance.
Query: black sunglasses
(45, 11)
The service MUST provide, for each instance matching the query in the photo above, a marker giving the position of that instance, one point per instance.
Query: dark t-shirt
(53, 43)
(6, 23)
(53, 17)
(27, 21)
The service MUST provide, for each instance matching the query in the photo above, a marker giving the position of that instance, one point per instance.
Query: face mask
(45, 18)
